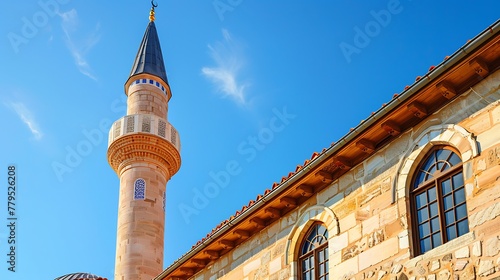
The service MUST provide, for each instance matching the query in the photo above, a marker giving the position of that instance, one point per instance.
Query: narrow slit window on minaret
(164, 200)
(139, 189)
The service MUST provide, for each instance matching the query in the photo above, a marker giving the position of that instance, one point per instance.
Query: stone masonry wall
(370, 203)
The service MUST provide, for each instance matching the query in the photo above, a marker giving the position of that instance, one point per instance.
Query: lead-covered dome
(80, 276)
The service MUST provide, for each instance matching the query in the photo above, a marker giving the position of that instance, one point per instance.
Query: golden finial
(152, 12)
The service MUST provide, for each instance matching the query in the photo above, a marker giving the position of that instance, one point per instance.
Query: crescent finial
(152, 12)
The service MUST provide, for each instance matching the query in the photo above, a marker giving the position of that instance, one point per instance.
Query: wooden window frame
(315, 253)
(425, 186)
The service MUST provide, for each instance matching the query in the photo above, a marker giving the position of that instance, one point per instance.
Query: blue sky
(258, 86)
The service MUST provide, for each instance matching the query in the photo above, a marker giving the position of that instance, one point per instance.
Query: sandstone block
(484, 215)
(378, 253)
(251, 266)
(346, 268)
(275, 266)
(480, 123)
(435, 265)
(371, 224)
(354, 233)
(397, 268)
(338, 243)
(327, 193)
(348, 222)
(444, 274)
(476, 249)
(492, 246)
(489, 138)
(486, 267)
(462, 253)
(495, 114)
(460, 264)
(381, 274)
(468, 274)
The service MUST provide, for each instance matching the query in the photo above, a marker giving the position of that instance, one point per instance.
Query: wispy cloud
(27, 118)
(70, 25)
(229, 61)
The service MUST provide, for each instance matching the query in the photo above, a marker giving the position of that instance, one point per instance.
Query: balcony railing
(144, 123)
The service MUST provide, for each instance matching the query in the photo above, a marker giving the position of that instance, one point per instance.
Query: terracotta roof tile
(314, 155)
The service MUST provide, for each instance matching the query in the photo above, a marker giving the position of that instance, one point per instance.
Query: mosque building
(412, 192)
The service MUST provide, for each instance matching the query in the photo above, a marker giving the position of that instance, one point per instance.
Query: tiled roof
(80, 276)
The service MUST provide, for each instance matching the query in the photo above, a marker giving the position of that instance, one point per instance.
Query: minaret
(144, 151)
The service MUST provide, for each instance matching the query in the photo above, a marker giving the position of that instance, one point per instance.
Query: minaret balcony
(146, 124)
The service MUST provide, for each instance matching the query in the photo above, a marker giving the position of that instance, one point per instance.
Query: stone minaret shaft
(144, 151)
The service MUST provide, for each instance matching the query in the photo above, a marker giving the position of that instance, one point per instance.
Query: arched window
(438, 200)
(313, 259)
(139, 189)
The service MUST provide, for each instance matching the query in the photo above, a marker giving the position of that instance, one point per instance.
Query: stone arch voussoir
(446, 134)
(316, 213)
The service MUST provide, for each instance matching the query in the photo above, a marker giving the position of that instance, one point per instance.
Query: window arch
(313, 254)
(139, 189)
(438, 200)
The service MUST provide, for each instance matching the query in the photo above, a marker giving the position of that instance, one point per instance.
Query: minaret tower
(144, 151)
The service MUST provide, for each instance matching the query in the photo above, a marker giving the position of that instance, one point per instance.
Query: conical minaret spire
(149, 58)
(144, 151)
